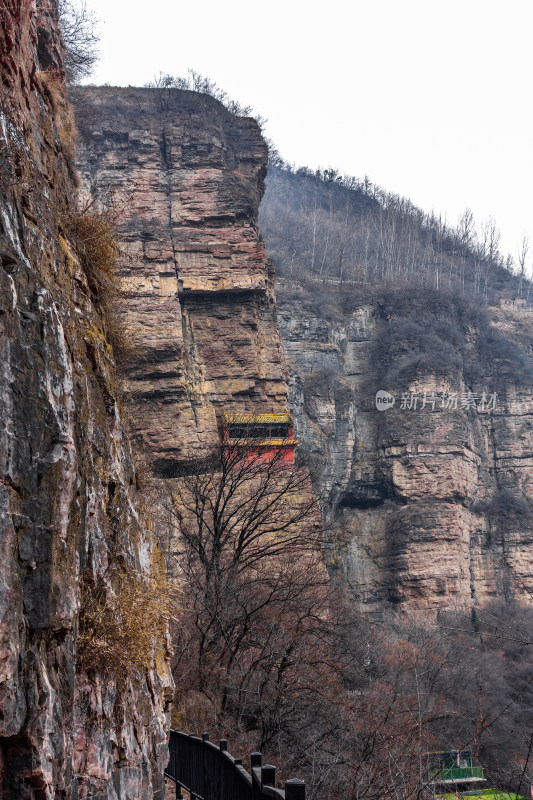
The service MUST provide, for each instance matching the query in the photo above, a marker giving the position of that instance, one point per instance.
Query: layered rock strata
(427, 501)
(198, 298)
(428, 506)
(68, 499)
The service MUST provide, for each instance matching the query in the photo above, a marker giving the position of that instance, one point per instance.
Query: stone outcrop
(68, 499)
(428, 506)
(198, 299)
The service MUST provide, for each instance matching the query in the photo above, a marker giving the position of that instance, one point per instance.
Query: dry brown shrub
(123, 622)
(93, 237)
(92, 232)
(193, 711)
(52, 84)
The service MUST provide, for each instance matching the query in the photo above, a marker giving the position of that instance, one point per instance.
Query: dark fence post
(205, 737)
(268, 775)
(294, 789)
(224, 745)
(255, 765)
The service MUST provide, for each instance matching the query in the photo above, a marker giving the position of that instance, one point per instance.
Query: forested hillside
(323, 225)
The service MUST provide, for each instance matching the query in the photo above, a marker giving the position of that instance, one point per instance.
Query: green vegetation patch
(488, 794)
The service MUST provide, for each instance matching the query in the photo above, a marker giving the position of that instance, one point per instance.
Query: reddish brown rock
(413, 497)
(68, 500)
(198, 289)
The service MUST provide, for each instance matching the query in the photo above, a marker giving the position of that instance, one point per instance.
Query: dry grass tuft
(92, 233)
(123, 624)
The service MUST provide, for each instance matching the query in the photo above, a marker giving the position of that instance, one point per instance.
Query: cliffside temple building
(269, 434)
(453, 771)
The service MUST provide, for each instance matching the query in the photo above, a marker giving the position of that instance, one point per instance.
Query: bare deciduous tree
(340, 230)
(196, 82)
(522, 262)
(266, 655)
(78, 30)
(250, 561)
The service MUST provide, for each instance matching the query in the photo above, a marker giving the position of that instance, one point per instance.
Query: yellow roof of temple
(254, 419)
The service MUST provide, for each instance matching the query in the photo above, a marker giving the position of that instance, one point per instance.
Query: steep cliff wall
(428, 507)
(197, 287)
(68, 505)
(428, 503)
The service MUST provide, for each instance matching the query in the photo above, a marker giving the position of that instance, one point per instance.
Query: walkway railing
(208, 772)
(457, 773)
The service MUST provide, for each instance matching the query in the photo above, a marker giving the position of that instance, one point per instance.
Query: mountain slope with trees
(323, 225)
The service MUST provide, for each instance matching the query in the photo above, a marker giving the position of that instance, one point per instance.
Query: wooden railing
(208, 772)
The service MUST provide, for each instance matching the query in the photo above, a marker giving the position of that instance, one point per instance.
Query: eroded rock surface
(197, 287)
(428, 506)
(68, 501)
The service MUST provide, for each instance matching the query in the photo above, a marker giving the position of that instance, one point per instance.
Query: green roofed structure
(453, 771)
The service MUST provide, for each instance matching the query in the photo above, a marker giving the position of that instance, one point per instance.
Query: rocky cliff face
(427, 505)
(197, 287)
(428, 500)
(198, 304)
(68, 501)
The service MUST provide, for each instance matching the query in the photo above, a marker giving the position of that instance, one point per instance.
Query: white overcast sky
(430, 98)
